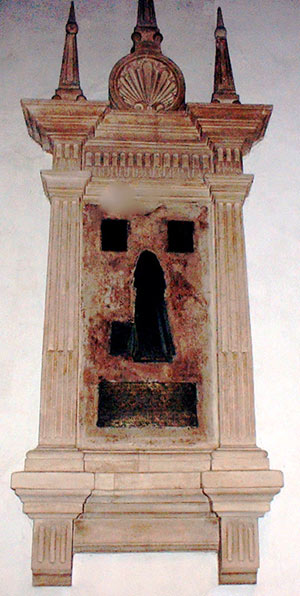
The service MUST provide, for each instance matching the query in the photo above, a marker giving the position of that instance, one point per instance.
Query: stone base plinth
(145, 502)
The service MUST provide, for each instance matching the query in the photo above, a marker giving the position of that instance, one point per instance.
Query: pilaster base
(44, 579)
(237, 578)
(47, 459)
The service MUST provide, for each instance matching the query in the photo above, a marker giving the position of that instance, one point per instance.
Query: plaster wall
(264, 46)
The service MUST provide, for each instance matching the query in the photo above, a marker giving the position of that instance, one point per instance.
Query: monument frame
(89, 489)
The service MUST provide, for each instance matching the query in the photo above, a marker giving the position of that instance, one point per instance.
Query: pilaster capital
(242, 492)
(64, 185)
(229, 189)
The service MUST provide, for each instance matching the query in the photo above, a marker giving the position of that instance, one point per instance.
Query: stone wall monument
(147, 428)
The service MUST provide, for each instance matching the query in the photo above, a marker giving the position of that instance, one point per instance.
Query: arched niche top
(152, 337)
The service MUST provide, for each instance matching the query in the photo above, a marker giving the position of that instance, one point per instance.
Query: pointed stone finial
(146, 36)
(146, 14)
(224, 87)
(220, 22)
(69, 85)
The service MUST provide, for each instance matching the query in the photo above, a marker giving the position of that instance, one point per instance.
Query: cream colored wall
(263, 40)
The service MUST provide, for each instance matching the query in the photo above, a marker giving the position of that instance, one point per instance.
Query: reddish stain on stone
(108, 295)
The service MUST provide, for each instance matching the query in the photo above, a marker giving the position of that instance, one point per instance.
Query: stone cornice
(51, 121)
(240, 491)
(56, 493)
(239, 125)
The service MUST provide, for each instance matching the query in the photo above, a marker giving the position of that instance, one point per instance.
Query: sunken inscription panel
(149, 403)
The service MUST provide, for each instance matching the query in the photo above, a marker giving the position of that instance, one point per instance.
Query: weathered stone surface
(146, 158)
(149, 533)
(108, 295)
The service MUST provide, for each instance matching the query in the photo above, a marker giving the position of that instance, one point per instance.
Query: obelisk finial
(146, 14)
(224, 87)
(69, 85)
(220, 21)
(146, 36)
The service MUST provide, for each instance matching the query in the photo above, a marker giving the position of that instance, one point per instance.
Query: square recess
(114, 235)
(180, 236)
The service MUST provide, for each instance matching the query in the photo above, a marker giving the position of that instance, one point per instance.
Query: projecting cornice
(238, 125)
(49, 121)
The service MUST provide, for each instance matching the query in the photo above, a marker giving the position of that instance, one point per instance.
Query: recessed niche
(152, 340)
(180, 236)
(141, 404)
(114, 235)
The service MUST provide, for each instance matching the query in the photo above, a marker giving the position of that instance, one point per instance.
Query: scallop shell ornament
(146, 83)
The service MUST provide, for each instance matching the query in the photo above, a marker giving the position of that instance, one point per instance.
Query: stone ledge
(237, 578)
(157, 480)
(242, 492)
(243, 479)
(246, 459)
(146, 462)
(54, 460)
(52, 481)
(132, 533)
(51, 579)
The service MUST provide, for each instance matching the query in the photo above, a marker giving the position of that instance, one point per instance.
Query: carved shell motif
(147, 84)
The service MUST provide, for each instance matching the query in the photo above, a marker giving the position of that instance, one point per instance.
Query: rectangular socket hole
(114, 235)
(120, 337)
(180, 236)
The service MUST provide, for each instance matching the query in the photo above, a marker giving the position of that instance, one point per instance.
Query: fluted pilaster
(234, 350)
(61, 337)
